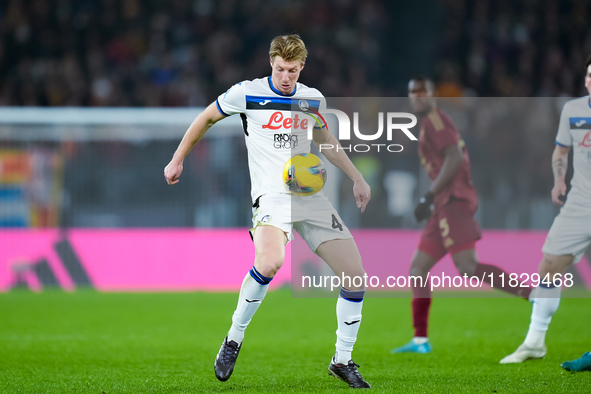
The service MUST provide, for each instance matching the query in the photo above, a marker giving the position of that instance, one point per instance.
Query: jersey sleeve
(564, 137)
(441, 131)
(233, 101)
(320, 124)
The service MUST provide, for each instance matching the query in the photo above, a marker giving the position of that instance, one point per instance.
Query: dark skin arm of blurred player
(453, 157)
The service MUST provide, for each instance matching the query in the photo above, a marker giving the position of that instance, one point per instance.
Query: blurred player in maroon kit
(451, 227)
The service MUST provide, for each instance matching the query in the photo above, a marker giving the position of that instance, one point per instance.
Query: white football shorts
(570, 233)
(313, 217)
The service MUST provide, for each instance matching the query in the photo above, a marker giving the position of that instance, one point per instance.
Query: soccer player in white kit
(273, 134)
(570, 234)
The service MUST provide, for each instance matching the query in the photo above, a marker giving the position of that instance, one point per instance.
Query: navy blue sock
(256, 275)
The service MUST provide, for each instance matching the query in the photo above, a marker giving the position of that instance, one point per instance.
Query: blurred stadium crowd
(179, 53)
(514, 48)
(184, 52)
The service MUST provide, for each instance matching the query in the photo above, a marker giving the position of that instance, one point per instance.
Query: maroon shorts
(450, 228)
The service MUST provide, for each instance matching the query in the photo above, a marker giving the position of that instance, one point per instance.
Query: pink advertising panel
(218, 259)
(131, 260)
(387, 255)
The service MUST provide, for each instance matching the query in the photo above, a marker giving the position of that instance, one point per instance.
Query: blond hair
(289, 48)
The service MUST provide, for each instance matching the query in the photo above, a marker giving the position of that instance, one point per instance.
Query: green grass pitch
(86, 341)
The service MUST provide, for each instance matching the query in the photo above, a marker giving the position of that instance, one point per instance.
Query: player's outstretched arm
(194, 133)
(559, 167)
(339, 158)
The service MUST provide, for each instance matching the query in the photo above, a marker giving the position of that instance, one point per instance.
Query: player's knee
(465, 265)
(418, 270)
(268, 262)
(554, 265)
(466, 269)
(465, 262)
(355, 278)
(269, 268)
(545, 269)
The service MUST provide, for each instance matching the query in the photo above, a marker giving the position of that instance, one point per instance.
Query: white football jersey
(273, 132)
(574, 131)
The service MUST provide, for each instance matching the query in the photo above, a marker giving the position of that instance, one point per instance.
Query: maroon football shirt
(437, 133)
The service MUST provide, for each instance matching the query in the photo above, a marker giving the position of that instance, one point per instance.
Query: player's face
(588, 79)
(285, 74)
(421, 96)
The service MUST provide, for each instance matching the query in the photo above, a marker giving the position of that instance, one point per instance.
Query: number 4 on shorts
(336, 224)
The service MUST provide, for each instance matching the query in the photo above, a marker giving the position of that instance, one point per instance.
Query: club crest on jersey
(304, 106)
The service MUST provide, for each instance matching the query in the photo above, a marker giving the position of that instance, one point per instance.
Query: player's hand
(559, 193)
(362, 193)
(423, 208)
(173, 171)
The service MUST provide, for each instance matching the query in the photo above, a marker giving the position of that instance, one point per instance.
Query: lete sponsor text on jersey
(278, 121)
